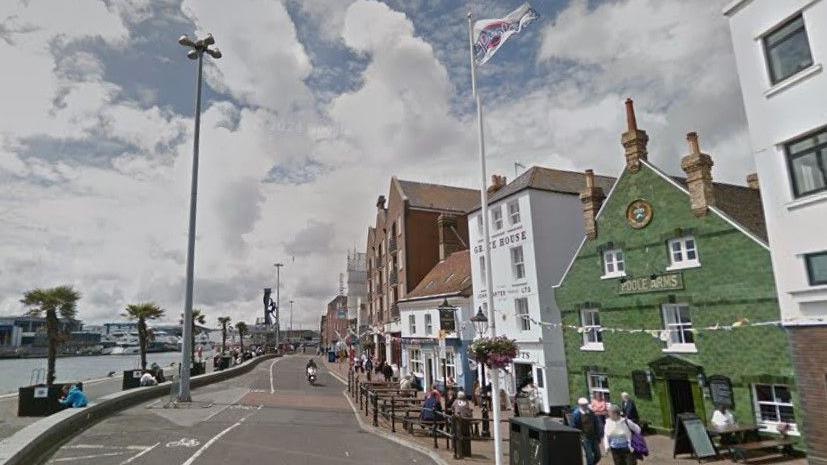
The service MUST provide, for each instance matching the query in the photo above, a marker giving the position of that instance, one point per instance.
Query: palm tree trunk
(142, 341)
(51, 333)
(241, 341)
(224, 338)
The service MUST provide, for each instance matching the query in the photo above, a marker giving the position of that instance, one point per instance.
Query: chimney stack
(698, 169)
(592, 199)
(634, 140)
(448, 240)
(497, 183)
(752, 181)
(380, 202)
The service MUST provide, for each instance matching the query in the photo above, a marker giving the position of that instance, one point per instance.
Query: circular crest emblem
(639, 214)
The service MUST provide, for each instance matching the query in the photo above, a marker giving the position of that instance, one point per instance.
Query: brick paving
(660, 446)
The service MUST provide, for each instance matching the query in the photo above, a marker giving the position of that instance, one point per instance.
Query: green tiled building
(664, 259)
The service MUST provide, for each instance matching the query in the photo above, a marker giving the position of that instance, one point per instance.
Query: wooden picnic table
(740, 439)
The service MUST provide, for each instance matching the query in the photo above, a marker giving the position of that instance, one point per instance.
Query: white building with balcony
(781, 50)
(536, 227)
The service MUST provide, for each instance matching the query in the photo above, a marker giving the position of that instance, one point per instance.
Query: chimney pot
(380, 202)
(633, 140)
(694, 146)
(752, 181)
(631, 120)
(497, 183)
(698, 169)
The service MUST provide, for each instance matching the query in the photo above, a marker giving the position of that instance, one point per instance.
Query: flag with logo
(491, 34)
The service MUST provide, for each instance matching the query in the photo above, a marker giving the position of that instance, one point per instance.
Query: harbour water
(17, 372)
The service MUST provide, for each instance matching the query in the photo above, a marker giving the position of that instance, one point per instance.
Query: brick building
(403, 245)
(666, 260)
(335, 324)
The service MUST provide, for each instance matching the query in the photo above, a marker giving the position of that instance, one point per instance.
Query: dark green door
(680, 397)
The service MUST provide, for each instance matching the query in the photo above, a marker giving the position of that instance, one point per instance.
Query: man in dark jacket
(586, 421)
(629, 408)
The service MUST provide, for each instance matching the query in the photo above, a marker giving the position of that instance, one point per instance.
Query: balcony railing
(394, 312)
(393, 278)
(392, 245)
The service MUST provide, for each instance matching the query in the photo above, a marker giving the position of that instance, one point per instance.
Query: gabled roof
(551, 180)
(451, 276)
(437, 196)
(741, 203)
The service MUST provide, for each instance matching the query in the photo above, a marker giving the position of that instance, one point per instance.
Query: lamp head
(185, 41)
(480, 322)
(192, 54)
(209, 40)
(215, 53)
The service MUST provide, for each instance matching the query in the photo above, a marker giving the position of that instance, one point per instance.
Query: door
(680, 397)
(429, 374)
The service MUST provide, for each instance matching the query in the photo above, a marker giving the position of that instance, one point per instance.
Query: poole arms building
(671, 297)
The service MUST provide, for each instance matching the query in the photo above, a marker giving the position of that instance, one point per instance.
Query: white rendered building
(781, 50)
(536, 227)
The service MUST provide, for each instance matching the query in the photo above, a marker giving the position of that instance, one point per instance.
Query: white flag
(491, 34)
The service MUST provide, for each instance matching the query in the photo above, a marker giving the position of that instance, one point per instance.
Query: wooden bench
(739, 451)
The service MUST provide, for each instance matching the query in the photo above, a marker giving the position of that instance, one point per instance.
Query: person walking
(600, 407)
(617, 437)
(590, 428)
(368, 367)
(628, 407)
(387, 372)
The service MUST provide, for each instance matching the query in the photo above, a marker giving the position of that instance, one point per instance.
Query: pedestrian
(590, 428)
(432, 406)
(368, 367)
(462, 407)
(387, 372)
(450, 398)
(617, 437)
(629, 408)
(599, 407)
(147, 379)
(357, 365)
(722, 417)
(73, 397)
(529, 391)
(406, 383)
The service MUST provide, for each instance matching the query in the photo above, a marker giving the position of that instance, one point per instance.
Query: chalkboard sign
(720, 389)
(643, 390)
(691, 437)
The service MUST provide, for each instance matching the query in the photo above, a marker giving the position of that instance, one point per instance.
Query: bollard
(455, 430)
(359, 395)
(393, 414)
(436, 445)
(375, 410)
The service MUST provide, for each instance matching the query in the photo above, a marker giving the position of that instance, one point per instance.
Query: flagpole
(489, 286)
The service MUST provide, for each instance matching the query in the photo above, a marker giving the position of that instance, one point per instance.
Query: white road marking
(272, 386)
(213, 440)
(86, 457)
(184, 442)
(347, 454)
(146, 450)
(101, 446)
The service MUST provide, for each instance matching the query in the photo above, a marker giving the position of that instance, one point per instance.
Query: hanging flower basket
(495, 352)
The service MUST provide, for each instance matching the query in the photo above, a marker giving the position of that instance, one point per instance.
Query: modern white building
(781, 50)
(536, 227)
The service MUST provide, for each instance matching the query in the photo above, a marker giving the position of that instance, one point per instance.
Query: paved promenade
(270, 415)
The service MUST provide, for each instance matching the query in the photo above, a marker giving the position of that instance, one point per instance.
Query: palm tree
(223, 321)
(61, 299)
(242, 331)
(198, 317)
(143, 312)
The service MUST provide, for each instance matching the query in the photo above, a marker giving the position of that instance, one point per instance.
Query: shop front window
(774, 406)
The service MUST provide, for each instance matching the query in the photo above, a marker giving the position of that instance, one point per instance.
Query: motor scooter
(311, 375)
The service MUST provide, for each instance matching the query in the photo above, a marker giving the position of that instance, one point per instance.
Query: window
(517, 265)
(497, 218)
(683, 253)
(521, 307)
(416, 361)
(787, 50)
(412, 324)
(816, 268)
(450, 364)
(482, 269)
(540, 380)
(592, 337)
(479, 224)
(774, 405)
(429, 325)
(613, 265)
(807, 159)
(514, 212)
(678, 324)
(599, 385)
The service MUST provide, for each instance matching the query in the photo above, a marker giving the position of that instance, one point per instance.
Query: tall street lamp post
(197, 50)
(278, 304)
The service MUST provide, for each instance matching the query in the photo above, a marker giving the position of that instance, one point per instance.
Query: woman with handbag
(618, 437)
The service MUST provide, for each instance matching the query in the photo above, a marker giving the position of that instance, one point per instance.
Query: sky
(313, 107)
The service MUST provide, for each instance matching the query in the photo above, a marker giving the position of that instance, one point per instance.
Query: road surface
(268, 416)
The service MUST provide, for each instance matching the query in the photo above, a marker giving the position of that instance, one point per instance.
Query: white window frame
(517, 267)
(513, 212)
(482, 271)
(677, 330)
(450, 364)
(497, 218)
(614, 263)
(429, 324)
(523, 324)
(679, 250)
(412, 323)
(599, 382)
(592, 336)
(772, 426)
(415, 361)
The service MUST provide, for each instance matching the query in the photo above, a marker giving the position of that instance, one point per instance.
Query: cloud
(316, 237)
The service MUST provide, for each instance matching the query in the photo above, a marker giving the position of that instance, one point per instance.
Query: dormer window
(683, 253)
(613, 264)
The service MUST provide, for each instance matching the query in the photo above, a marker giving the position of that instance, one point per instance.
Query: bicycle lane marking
(218, 436)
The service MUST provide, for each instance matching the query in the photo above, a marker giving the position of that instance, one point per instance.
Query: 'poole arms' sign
(664, 282)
